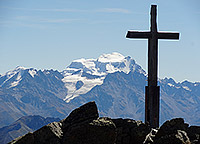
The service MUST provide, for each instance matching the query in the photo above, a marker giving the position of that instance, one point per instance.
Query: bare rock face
(83, 126)
(178, 137)
(171, 132)
(86, 112)
(130, 131)
(194, 134)
(98, 131)
(171, 126)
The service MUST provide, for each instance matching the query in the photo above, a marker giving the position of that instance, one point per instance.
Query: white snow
(114, 57)
(110, 68)
(106, 63)
(17, 80)
(171, 85)
(70, 83)
(32, 73)
(186, 88)
(86, 62)
(15, 83)
(19, 70)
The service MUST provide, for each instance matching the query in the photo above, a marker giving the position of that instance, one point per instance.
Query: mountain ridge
(117, 86)
(22, 126)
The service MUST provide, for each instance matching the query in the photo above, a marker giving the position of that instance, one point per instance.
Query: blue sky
(47, 34)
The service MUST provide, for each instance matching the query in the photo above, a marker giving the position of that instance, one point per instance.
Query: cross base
(152, 96)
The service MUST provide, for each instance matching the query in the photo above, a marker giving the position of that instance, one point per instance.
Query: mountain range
(22, 126)
(115, 82)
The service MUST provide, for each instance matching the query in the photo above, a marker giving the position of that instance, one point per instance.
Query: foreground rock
(83, 126)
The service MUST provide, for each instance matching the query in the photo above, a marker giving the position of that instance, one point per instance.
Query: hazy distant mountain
(115, 82)
(22, 126)
(31, 92)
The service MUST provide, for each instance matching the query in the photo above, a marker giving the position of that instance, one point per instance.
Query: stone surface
(178, 137)
(171, 126)
(98, 131)
(86, 112)
(194, 134)
(83, 126)
(130, 131)
(172, 132)
(149, 138)
(50, 134)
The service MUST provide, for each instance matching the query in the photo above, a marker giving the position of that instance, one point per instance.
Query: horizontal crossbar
(166, 35)
(138, 34)
(159, 35)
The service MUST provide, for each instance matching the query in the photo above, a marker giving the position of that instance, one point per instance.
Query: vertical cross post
(152, 91)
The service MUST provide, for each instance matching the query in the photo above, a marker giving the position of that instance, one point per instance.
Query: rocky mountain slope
(31, 92)
(115, 82)
(84, 126)
(24, 125)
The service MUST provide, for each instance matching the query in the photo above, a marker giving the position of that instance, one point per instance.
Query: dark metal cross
(152, 91)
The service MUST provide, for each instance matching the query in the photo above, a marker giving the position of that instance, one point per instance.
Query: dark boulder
(173, 132)
(98, 131)
(130, 131)
(86, 112)
(83, 126)
(194, 134)
(51, 134)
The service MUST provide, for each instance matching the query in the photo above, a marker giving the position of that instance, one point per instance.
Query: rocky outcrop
(84, 126)
(129, 131)
(194, 134)
(174, 131)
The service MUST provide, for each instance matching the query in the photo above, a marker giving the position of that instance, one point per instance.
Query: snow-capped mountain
(83, 74)
(12, 78)
(27, 91)
(114, 81)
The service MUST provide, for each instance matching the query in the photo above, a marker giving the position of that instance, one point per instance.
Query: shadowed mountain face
(22, 126)
(116, 83)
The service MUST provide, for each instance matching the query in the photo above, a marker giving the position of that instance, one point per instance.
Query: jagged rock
(130, 131)
(194, 134)
(178, 137)
(171, 126)
(83, 126)
(98, 131)
(51, 134)
(86, 112)
(172, 132)
(25, 139)
(149, 138)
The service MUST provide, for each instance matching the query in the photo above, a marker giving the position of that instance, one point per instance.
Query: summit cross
(152, 91)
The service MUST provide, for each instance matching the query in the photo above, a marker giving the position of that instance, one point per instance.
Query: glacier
(92, 72)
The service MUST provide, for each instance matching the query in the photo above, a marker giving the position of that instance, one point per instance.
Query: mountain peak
(20, 68)
(113, 57)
